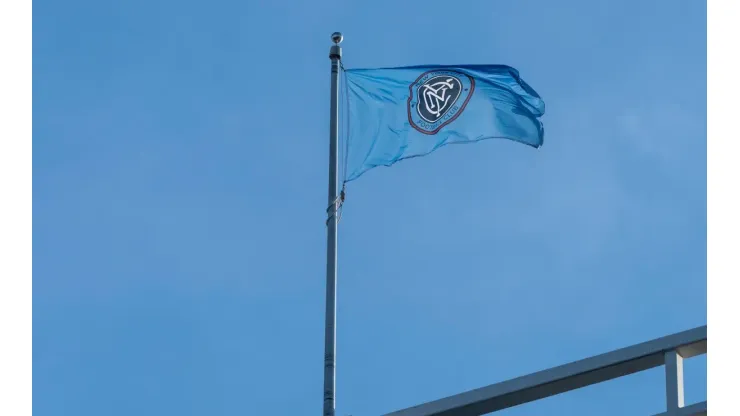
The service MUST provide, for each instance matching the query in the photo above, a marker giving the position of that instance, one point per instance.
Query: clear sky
(180, 167)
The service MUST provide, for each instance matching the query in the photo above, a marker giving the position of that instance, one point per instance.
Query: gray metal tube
(330, 334)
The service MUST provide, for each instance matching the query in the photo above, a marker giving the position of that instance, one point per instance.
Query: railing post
(674, 381)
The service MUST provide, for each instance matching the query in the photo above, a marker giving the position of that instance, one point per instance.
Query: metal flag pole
(330, 335)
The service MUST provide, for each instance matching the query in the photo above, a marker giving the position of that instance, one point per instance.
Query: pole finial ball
(337, 38)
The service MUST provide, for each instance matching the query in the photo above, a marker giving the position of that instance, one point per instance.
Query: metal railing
(668, 351)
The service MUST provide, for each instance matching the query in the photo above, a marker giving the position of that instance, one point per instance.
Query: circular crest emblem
(437, 98)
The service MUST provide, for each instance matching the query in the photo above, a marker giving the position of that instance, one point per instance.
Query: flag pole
(330, 334)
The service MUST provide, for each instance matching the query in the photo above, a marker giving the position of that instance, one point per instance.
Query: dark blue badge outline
(453, 118)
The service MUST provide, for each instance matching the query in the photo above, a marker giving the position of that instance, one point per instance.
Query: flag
(400, 113)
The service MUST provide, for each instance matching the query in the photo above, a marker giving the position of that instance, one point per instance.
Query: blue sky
(180, 163)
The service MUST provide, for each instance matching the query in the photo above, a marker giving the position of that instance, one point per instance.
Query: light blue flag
(400, 113)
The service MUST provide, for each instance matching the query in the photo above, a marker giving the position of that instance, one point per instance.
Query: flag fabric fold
(400, 113)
